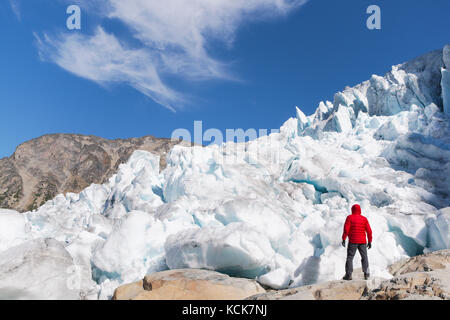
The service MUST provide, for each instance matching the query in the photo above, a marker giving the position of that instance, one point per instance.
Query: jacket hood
(356, 209)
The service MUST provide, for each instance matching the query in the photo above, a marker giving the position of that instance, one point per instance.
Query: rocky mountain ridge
(52, 164)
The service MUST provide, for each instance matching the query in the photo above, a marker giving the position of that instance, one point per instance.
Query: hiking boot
(366, 276)
(347, 277)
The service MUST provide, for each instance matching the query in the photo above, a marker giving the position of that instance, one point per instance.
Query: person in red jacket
(356, 227)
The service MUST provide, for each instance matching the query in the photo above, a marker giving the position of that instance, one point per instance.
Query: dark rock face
(11, 184)
(43, 167)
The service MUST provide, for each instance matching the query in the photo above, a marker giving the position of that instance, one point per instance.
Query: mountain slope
(41, 168)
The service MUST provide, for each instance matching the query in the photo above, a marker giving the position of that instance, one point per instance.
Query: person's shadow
(309, 269)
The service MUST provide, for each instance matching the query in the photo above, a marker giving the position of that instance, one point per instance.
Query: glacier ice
(276, 279)
(446, 90)
(235, 249)
(446, 56)
(38, 269)
(342, 121)
(13, 229)
(301, 119)
(272, 208)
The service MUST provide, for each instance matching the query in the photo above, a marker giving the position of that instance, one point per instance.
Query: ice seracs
(235, 249)
(301, 119)
(445, 82)
(341, 120)
(272, 208)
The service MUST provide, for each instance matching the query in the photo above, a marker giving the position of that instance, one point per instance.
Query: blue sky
(244, 65)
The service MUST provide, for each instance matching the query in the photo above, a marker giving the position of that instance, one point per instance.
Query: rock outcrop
(413, 286)
(188, 284)
(424, 277)
(330, 290)
(43, 167)
(424, 263)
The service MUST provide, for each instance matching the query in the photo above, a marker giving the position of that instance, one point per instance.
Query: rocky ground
(425, 277)
(188, 284)
(49, 165)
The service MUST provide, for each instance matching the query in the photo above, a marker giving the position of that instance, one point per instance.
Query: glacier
(445, 82)
(271, 208)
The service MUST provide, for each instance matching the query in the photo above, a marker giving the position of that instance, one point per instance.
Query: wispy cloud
(15, 7)
(174, 34)
(102, 58)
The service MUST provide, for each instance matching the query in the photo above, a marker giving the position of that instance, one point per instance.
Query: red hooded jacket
(356, 226)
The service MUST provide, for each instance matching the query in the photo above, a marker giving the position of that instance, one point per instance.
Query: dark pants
(351, 250)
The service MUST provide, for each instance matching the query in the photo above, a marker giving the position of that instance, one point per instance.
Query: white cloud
(102, 58)
(15, 7)
(174, 34)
